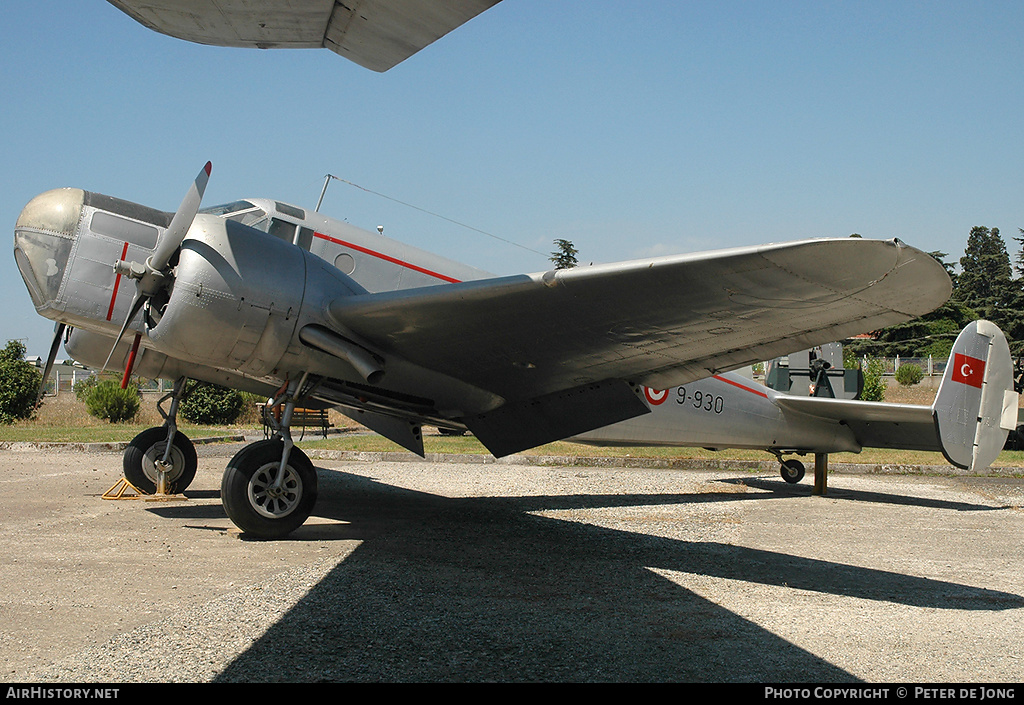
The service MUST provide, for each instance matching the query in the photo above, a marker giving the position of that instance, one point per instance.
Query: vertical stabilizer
(976, 405)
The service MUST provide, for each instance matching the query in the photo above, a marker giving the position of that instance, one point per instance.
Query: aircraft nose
(43, 236)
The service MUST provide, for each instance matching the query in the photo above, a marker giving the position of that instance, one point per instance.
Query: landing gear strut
(270, 487)
(162, 460)
(792, 470)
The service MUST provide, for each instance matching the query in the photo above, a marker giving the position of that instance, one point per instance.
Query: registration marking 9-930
(700, 400)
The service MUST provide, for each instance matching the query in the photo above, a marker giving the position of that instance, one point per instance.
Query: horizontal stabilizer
(873, 424)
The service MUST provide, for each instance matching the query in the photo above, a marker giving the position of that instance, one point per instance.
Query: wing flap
(527, 424)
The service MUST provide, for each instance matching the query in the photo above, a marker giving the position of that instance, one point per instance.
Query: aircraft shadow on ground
(778, 488)
(480, 589)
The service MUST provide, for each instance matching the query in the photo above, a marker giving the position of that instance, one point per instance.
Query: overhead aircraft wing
(376, 34)
(559, 347)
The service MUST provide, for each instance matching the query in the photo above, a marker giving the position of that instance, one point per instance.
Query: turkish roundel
(968, 370)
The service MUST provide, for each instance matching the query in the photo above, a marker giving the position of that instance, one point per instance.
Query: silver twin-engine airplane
(312, 312)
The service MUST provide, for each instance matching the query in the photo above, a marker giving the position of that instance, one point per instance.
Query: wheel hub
(270, 501)
(153, 463)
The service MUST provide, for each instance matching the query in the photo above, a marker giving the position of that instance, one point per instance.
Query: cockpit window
(242, 211)
(225, 208)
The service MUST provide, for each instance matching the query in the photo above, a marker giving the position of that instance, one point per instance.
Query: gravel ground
(431, 572)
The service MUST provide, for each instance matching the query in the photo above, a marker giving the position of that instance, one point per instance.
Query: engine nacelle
(238, 296)
(235, 298)
(92, 349)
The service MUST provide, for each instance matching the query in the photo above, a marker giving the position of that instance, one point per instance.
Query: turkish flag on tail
(968, 370)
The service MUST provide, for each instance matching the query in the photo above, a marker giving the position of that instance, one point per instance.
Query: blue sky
(632, 129)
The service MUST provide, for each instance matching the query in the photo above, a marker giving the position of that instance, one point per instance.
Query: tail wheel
(250, 498)
(141, 456)
(792, 471)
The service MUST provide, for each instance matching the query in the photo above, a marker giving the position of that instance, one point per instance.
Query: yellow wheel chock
(122, 487)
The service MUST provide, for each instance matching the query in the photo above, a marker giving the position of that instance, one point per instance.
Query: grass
(468, 445)
(63, 419)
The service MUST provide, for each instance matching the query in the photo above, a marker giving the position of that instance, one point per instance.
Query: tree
(950, 268)
(1020, 255)
(19, 383)
(565, 256)
(985, 283)
(1007, 309)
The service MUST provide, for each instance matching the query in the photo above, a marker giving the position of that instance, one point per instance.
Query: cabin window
(282, 229)
(345, 263)
(119, 228)
(291, 211)
(305, 239)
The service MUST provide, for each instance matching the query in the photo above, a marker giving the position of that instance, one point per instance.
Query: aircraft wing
(564, 344)
(376, 34)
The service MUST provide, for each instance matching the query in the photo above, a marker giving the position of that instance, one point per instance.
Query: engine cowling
(235, 299)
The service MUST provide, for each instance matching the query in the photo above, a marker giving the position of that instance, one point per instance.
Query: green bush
(106, 400)
(908, 375)
(19, 384)
(83, 388)
(874, 386)
(211, 404)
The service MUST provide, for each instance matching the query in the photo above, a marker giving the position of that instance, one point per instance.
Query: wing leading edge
(376, 34)
(563, 347)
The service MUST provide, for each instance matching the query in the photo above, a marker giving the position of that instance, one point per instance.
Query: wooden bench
(313, 418)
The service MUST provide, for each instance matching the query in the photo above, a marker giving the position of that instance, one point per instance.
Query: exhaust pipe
(368, 365)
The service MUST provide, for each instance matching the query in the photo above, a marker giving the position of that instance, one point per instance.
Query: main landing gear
(269, 487)
(162, 460)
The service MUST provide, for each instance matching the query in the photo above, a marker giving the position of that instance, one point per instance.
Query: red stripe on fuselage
(741, 386)
(388, 258)
(117, 283)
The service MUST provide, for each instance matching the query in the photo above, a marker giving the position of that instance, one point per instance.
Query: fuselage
(248, 302)
(727, 410)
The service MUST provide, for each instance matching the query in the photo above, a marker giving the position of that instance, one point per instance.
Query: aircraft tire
(247, 501)
(140, 456)
(792, 471)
